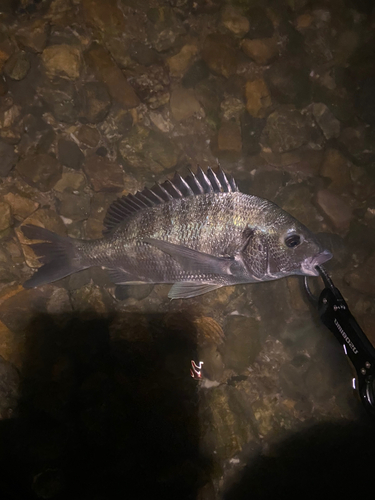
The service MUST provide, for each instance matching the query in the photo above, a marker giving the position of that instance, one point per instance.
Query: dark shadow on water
(107, 410)
(333, 460)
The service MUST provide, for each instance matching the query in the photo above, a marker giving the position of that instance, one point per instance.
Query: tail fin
(59, 254)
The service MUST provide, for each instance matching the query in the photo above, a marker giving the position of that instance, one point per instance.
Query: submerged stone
(258, 99)
(285, 130)
(103, 174)
(95, 102)
(242, 344)
(8, 158)
(41, 171)
(262, 50)
(184, 104)
(69, 154)
(62, 61)
(220, 55)
(17, 66)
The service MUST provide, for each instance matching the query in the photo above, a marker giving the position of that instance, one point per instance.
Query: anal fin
(187, 290)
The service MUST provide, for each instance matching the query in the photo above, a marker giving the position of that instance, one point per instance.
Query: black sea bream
(199, 233)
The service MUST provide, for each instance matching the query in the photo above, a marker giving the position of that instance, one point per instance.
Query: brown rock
(21, 206)
(33, 35)
(18, 311)
(334, 208)
(62, 61)
(179, 63)
(362, 279)
(41, 171)
(105, 15)
(262, 50)
(258, 99)
(234, 21)
(6, 50)
(220, 55)
(229, 137)
(337, 168)
(183, 104)
(109, 73)
(88, 136)
(103, 174)
(5, 216)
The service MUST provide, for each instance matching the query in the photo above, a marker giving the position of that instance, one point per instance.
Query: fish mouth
(308, 266)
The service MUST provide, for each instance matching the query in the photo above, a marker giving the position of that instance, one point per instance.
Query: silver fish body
(191, 233)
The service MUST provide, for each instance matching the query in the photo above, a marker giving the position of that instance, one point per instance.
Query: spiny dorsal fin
(192, 185)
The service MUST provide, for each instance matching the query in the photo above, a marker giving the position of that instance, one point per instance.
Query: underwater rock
(262, 50)
(103, 174)
(234, 21)
(184, 104)
(8, 158)
(17, 66)
(69, 154)
(220, 55)
(335, 209)
(95, 102)
(62, 61)
(242, 344)
(258, 99)
(41, 171)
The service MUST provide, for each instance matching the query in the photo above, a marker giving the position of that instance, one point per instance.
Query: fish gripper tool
(336, 316)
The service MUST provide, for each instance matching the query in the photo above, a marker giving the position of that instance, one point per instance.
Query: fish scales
(208, 223)
(199, 233)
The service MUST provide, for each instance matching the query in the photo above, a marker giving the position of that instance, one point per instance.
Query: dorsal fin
(192, 185)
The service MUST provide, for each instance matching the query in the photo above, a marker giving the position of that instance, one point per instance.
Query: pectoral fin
(193, 260)
(188, 290)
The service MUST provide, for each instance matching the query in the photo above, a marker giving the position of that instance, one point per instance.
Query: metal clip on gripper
(335, 315)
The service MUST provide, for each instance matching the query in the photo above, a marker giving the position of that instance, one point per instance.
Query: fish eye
(293, 240)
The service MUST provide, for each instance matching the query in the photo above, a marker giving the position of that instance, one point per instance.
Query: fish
(197, 232)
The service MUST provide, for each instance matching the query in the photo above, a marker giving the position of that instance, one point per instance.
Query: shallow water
(99, 99)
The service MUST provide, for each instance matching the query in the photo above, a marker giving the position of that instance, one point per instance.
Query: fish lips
(308, 266)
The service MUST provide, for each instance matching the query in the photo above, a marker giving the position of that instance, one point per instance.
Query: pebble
(41, 171)
(242, 344)
(143, 54)
(5, 216)
(289, 82)
(95, 102)
(179, 63)
(69, 154)
(260, 25)
(234, 21)
(110, 74)
(329, 125)
(62, 61)
(74, 206)
(361, 279)
(117, 124)
(285, 130)
(229, 137)
(184, 104)
(21, 206)
(88, 136)
(165, 28)
(70, 181)
(8, 158)
(262, 50)
(258, 99)
(17, 66)
(335, 209)
(220, 55)
(358, 142)
(195, 74)
(33, 35)
(336, 167)
(61, 97)
(105, 15)
(103, 174)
